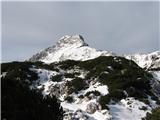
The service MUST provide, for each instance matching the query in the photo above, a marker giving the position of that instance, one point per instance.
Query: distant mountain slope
(147, 61)
(75, 48)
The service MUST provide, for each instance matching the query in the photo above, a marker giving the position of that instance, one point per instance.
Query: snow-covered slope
(78, 108)
(83, 89)
(88, 108)
(148, 61)
(69, 47)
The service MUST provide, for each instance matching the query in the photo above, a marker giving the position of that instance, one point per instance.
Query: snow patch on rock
(103, 89)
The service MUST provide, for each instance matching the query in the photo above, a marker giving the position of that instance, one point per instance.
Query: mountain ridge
(69, 47)
(75, 48)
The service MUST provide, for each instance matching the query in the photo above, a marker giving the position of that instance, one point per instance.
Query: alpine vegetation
(72, 81)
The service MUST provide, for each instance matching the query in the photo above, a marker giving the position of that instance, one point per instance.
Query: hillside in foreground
(72, 81)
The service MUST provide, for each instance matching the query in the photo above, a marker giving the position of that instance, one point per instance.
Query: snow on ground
(126, 109)
(98, 115)
(76, 106)
(153, 103)
(3, 74)
(129, 109)
(43, 81)
(140, 59)
(103, 89)
(74, 53)
(156, 82)
(110, 67)
(81, 104)
(156, 75)
(146, 60)
(44, 75)
(76, 69)
(71, 47)
(103, 115)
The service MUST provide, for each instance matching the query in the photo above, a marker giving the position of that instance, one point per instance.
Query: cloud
(122, 27)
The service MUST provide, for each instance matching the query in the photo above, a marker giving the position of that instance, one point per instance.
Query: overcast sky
(121, 27)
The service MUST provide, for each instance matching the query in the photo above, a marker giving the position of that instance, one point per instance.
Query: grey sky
(121, 27)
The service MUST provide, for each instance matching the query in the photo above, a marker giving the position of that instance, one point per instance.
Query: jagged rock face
(77, 115)
(69, 47)
(92, 107)
(68, 41)
(64, 42)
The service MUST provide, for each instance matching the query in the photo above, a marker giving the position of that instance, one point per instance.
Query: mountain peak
(68, 40)
(69, 47)
(77, 36)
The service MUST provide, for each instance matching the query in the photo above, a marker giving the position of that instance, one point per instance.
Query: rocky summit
(69, 47)
(72, 81)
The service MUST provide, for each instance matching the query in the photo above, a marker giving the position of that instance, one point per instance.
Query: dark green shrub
(75, 85)
(104, 100)
(56, 78)
(81, 96)
(96, 93)
(158, 102)
(19, 71)
(155, 115)
(69, 99)
(67, 64)
(19, 102)
(154, 69)
(122, 76)
(69, 75)
(143, 108)
(144, 100)
(42, 65)
(116, 95)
